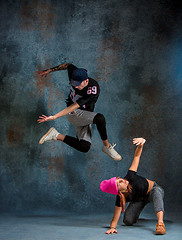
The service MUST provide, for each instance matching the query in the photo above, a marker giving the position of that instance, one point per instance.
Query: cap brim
(74, 83)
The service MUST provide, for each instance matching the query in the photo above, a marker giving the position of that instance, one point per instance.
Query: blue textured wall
(134, 50)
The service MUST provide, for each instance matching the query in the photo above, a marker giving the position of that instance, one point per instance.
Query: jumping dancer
(136, 190)
(81, 100)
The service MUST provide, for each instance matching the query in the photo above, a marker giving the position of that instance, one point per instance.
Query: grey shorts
(82, 121)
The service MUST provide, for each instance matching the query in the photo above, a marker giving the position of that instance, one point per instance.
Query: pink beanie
(109, 186)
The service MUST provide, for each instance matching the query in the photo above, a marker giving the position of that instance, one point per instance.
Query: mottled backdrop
(134, 49)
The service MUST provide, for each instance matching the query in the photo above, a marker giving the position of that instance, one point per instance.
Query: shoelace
(114, 144)
(160, 227)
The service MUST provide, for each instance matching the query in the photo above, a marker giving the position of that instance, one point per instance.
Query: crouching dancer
(136, 190)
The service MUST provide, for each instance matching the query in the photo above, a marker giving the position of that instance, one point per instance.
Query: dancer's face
(122, 184)
(83, 84)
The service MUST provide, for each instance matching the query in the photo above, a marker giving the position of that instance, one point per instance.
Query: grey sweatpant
(134, 209)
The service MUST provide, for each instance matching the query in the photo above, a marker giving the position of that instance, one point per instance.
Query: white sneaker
(50, 136)
(111, 152)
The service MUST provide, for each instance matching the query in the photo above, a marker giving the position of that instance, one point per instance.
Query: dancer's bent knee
(99, 119)
(84, 146)
(128, 221)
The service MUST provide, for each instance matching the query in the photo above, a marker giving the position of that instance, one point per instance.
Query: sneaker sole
(160, 233)
(42, 139)
(113, 158)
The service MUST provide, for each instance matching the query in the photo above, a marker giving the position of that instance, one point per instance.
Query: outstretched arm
(64, 112)
(44, 73)
(139, 142)
(114, 221)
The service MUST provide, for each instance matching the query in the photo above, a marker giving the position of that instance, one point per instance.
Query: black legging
(100, 122)
(82, 145)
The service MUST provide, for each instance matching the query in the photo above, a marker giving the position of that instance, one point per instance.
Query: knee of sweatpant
(99, 119)
(128, 221)
(84, 146)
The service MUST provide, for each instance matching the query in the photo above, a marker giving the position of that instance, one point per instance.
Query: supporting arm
(114, 221)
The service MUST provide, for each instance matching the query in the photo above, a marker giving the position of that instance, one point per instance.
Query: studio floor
(73, 227)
